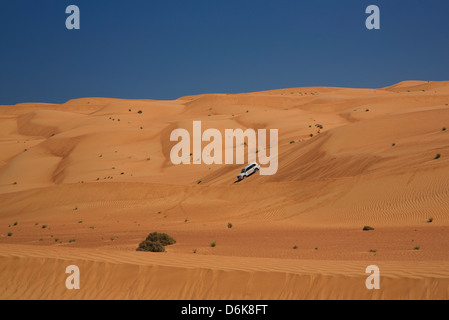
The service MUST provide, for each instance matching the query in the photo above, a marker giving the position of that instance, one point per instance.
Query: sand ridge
(98, 171)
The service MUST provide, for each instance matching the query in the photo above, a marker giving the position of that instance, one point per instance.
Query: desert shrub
(9, 234)
(430, 220)
(229, 225)
(150, 246)
(416, 248)
(367, 228)
(139, 112)
(213, 244)
(163, 238)
(156, 242)
(295, 247)
(438, 156)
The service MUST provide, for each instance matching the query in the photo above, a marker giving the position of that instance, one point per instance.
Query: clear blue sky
(165, 49)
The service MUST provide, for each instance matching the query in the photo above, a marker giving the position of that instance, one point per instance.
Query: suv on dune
(249, 170)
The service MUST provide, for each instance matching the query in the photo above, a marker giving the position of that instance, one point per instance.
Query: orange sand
(61, 166)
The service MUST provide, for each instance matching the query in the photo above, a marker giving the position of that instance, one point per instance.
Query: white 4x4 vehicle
(249, 170)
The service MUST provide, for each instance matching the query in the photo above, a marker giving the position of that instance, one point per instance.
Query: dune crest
(85, 181)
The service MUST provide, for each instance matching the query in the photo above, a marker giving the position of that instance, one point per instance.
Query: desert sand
(84, 182)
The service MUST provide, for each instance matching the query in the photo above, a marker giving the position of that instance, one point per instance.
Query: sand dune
(133, 275)
(98, 171)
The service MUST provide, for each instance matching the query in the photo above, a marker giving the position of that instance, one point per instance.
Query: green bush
(150, 246)
(163, 238)
(367, 228)
(156, 242)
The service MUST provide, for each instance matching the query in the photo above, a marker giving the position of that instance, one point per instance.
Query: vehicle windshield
(243, 171)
